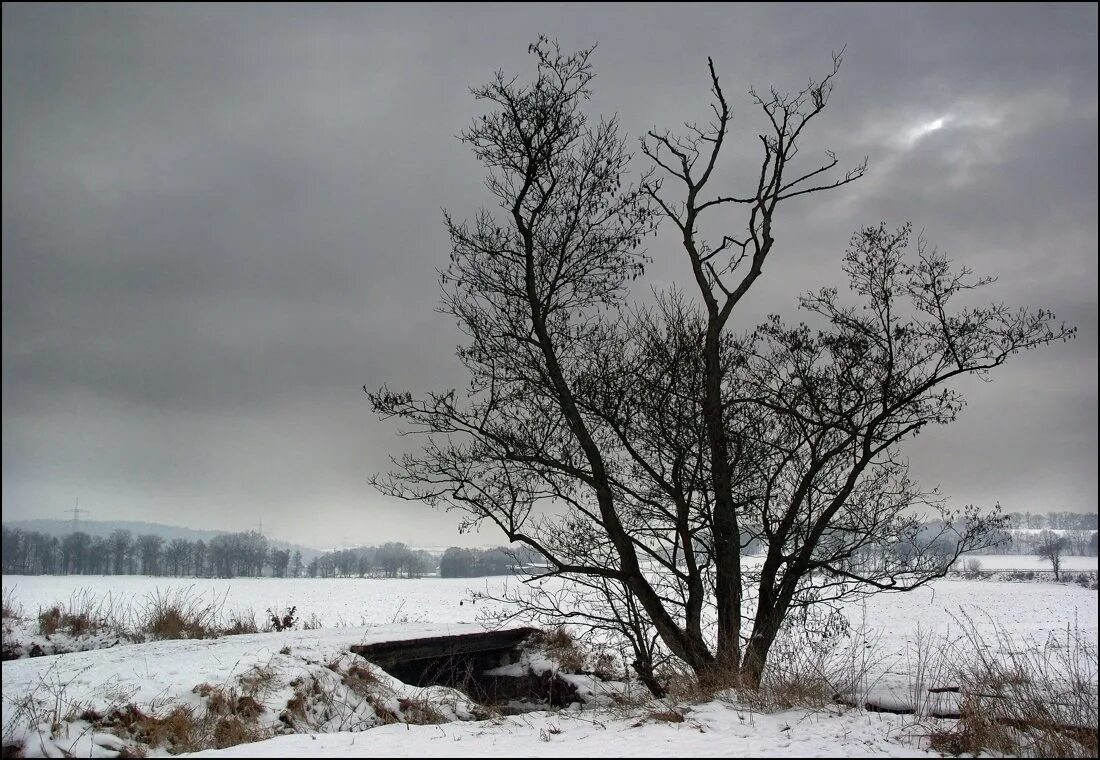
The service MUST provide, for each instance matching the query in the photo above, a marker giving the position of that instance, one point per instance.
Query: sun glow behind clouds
(927, 127)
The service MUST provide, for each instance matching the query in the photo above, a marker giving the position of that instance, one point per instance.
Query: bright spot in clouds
(921, 130)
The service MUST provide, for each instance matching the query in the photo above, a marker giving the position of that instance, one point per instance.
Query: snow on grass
(712, 729)
(297, 680)
(335, 601)
(892, 629)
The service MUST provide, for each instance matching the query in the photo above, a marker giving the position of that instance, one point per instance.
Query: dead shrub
(84, 615)
(564, 649)
(219, 700)
(49, 621)
(248, 708)
(240, 622)
(231, 731)
(972, 567)
(177, 730)
(79, 623)
(283, 621)
(179, 614)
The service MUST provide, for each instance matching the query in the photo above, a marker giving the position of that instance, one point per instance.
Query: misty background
(220, 222)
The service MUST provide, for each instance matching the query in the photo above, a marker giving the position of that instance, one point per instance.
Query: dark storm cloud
(219, 222)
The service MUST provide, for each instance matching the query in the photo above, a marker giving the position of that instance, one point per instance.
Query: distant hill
(167, 532)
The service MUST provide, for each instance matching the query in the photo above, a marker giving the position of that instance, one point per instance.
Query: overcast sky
(220, 222)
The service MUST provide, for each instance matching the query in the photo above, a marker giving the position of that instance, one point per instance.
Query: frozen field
(1030, 562)
(1022, 609)
(335, 601)
(890, 628)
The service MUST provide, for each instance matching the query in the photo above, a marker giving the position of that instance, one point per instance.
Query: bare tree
(148, 548)
(280, 560)
(642, 449)
(176, 554)
(1051, 547)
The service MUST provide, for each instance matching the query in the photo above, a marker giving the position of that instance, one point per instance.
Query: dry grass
(49, 620)
(178, 730)
(564, 649)
(228, 719)
(420, 712)
(681, 684)
(178, 614)
(667, 716)
(360, 679)
(386, 716)
(83, 615)
(258, 680)
(239, 622)
(1023, 698)
(9, 608)
(231, 731)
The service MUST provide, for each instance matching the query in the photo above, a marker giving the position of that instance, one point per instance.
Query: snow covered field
(1030, 562)
(335, 601)
(890, 626)
(713, 729)
(373, 601)
(153, 673)
(1035, 610)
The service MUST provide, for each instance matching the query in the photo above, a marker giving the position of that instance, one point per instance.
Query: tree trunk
(727, 541)
(644, 668)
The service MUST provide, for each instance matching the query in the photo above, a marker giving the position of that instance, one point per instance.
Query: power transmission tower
(76, 513)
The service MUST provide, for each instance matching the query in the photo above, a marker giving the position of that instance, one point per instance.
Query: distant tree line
(458, 562)
(229, 555)
(1076, 541)
(391, 560)
(1053, 520)
(240, 555)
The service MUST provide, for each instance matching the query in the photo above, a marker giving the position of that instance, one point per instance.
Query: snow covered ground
(375, 601)
(890, 628)
(1070, 563)
(163, 675)
(335, 601)
(712, 729)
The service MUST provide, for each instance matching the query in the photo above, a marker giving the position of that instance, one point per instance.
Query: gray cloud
(218, 223)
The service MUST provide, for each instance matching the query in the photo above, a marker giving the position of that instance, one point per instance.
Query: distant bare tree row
(1080, 542)
(226, 556)
(1053, 520)
(458, 562)
(390, 560)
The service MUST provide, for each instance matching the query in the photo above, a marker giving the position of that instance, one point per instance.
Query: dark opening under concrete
(462, 662)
